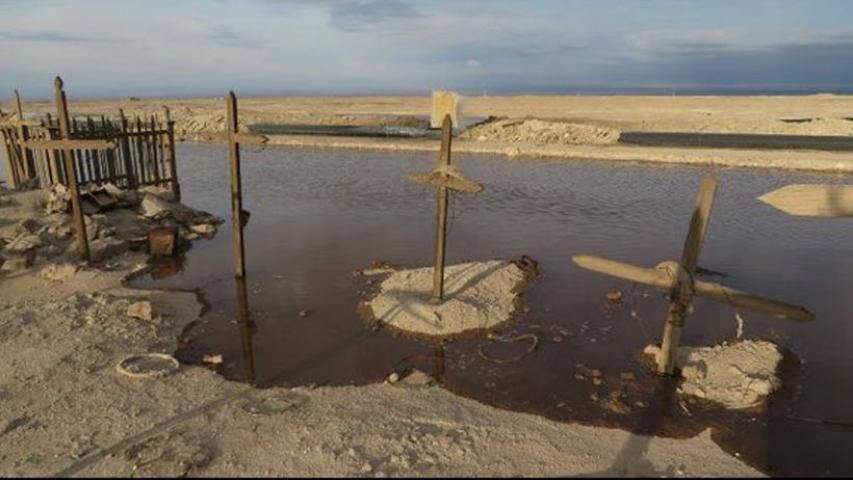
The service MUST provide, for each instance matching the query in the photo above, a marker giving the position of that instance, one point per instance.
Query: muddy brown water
(319, 215)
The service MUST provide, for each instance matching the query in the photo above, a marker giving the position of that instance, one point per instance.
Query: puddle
(319, 215)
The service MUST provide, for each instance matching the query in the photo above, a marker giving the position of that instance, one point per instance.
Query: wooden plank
(812, 200)
(140, 153)
(248, 138)
(11, 175)
(231, 126)
(155, 161)
(699, 224)
(76, 208)
(126, 154)
(441, 217)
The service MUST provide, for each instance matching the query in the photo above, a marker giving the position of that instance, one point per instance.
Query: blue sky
(194, 47)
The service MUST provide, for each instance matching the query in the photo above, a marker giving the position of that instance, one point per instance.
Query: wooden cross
(679, 279)
(444, 177)
(239, 217)
(68, 145)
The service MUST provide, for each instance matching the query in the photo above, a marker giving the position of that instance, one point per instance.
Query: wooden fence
(144, 152)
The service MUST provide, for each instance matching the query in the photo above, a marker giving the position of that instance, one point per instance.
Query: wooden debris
(162, 241)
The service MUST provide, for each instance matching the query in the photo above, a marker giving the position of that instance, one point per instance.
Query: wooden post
(173, 165)
(11, 171)
(682, 293)
(444, 177)
(247, 328)
(441, 215)
(28, 172)
(77, 210)
(127, 156)
(232, 128)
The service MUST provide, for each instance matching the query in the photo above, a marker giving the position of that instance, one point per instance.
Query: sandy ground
(597, 121)
(66, 410)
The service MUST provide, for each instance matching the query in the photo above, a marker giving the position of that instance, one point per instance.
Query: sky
(108, 48)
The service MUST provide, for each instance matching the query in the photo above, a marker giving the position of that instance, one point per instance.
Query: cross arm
(446, 176)
(664, 276)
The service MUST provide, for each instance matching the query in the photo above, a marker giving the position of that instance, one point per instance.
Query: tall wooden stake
(236, 188)
(173, 166)
(23, 135)
(682, 292)
(71, 174)
(441, 222)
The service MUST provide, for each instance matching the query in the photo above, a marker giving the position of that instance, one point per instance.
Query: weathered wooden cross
(444, 177)
(67, 145)
(239, 217)
(679, 279)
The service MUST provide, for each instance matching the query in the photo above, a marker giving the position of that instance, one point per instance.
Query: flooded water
(319, 215)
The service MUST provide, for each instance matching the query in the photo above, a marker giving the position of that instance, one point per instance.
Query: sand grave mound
(477, 296)
(736, 375)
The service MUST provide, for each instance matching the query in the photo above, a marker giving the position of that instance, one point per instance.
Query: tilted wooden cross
(444, 177)
(67, 145)
(679, 279)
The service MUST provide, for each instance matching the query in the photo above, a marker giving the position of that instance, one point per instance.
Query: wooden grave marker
(444, 177)
(68, 145)
(679, 279)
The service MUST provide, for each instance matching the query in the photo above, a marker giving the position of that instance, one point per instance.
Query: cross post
(445, 178)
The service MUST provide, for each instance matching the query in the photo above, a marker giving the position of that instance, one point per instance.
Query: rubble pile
(540, 132)
(117, 220)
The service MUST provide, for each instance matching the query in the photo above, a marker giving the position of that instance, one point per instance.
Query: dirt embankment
(540, 132)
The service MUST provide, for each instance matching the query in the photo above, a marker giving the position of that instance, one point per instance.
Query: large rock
(103, 248)
(23, 243)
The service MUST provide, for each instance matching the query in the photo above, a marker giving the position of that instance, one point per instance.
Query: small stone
(212, 359)
(597, 381)
(596, 372)
(58, 271)
(367, 467)
(104, 248)
(141, 310)
(205, 229)
(580, 377)
(557, 339)
(393, 378)
(15, 264)
(614, 295)
(304, 313)
(593, 397)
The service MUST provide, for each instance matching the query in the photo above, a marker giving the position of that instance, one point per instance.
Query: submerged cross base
(478, 296)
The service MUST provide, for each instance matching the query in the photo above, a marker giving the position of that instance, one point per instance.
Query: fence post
(231, 126)
(130, 177)
(77, 210)
(173, 166)
(23, 135)
(11, 172)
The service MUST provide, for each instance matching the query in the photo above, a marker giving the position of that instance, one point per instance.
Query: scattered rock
(141, 310)
(58, 271)
(393, 378)
(304, 313)
(212, 359)
(614, 296)
(104, 248)
(204, 229)
(23, 243)
(16, 264)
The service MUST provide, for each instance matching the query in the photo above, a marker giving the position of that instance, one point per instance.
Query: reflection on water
(319, 215)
